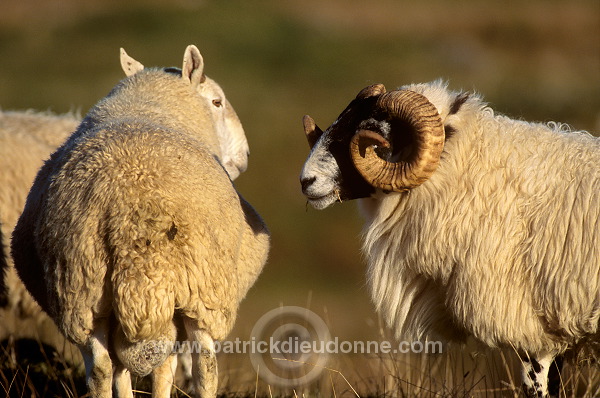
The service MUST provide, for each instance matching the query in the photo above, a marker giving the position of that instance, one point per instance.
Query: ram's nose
(306, 182)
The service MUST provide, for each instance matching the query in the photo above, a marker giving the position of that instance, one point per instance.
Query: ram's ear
(312, 131)
(130, 66)
(193, 66)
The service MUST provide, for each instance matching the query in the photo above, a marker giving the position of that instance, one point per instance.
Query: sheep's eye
(217, 102)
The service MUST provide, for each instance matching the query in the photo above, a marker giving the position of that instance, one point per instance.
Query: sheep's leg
(98, 366)
(535, 374)
(185, 361)
(162, 377)
(204, 360)
(122, 383)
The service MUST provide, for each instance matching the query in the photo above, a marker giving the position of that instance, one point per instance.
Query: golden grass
(42, 372)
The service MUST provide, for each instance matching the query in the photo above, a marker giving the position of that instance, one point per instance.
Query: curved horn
(313, 132)
(371, 91)
(426, 125)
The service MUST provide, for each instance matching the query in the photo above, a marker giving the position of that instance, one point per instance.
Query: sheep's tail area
(143, 279)
(143, 304)
(144, 301)
(141, 241)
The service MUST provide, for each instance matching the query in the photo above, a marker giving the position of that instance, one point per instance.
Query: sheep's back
(146, 216)
(561, 250)
(555, 178)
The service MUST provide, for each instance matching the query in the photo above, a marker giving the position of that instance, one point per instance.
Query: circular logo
(290, 346)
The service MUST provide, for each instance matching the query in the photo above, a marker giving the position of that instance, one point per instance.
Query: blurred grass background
(280, 59)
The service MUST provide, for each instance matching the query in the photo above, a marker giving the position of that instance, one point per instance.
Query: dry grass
(32, 369)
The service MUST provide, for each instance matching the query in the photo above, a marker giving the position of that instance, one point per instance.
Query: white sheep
(138, 233)
(476, 224)
(26, 140)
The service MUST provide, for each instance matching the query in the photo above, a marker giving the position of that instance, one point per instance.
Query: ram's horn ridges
(371, 91)
(426, 123)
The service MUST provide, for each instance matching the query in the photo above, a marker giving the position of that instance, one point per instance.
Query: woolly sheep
(139, 233)
(26, 140)
(476, 224)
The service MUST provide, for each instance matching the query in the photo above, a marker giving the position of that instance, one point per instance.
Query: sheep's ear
(193, 66)
(130, 66)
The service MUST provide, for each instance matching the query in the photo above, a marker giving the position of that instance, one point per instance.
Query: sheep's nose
(306, 182)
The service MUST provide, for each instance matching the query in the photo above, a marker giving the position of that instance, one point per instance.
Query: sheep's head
(234, 146)
(383, 140)
(230, 133)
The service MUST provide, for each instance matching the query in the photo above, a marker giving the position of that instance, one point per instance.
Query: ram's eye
(217, 102)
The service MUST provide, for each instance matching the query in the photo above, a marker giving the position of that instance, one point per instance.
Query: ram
(138, 233)
(476, 224)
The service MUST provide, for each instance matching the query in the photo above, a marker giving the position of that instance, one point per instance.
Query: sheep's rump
(132, 219)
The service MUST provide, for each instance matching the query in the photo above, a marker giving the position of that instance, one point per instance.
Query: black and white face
(321, 175)
(328, 175)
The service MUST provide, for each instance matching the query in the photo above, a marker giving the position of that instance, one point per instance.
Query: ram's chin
(323, 201)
